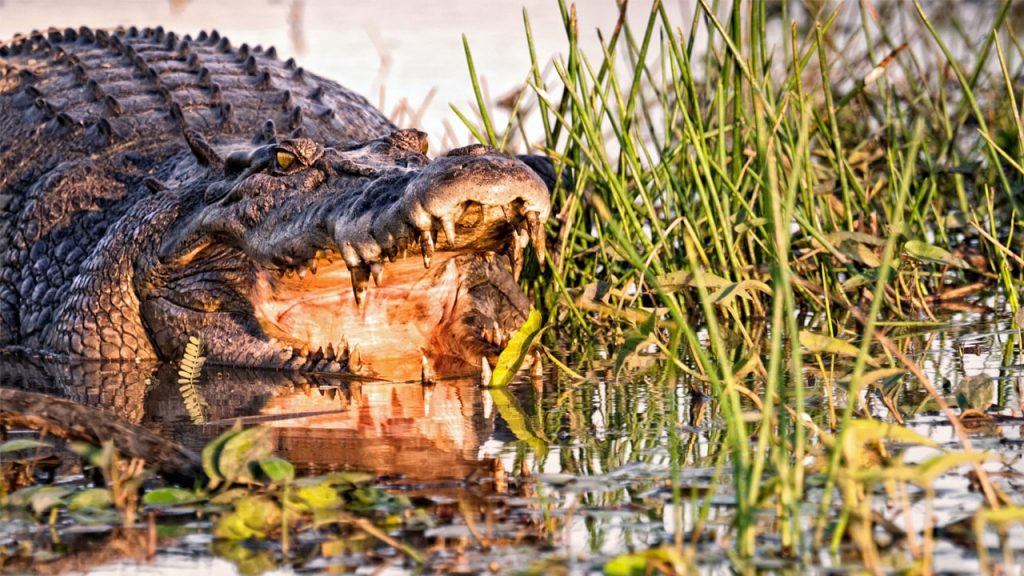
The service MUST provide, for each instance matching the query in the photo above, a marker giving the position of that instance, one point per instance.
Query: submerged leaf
(515, 352)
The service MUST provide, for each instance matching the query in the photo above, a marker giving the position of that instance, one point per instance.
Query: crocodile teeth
(426, 375)
(377, 273)
(448, 225)
(360, 283)
(349, 255)
(485, 372)
(427, 247)
(301, 271)
(318, 355)
(515, 254)
(311, 265)
(355, 360)
(536, 230)
(303, 352)
(329, 352)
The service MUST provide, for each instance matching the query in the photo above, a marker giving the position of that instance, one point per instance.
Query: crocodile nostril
(471, 150)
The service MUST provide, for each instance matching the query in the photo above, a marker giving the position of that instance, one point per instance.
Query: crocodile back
(91, 122)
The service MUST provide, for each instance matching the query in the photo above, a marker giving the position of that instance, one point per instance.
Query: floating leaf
(648, 562)
(822, 344)
(929, 253)
(22, 444)
(515, 352)
(211, 455)
(39, 498)
(170, 497)
(241, 452)
(276, 469)
(975, 392)
(319, 497)
(254, 517)
(93, 498)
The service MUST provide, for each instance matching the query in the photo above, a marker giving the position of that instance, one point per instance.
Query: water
(588, 464)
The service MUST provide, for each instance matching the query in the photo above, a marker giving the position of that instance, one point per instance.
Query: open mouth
(394, 319)
(387, 273)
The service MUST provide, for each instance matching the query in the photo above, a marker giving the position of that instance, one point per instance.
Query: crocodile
(156, 187)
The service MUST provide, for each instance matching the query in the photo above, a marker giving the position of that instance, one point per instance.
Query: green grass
(774, 178)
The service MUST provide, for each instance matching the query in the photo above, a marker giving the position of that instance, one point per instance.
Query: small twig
(368, 527)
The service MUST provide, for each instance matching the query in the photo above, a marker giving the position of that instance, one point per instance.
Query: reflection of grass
(852, 190)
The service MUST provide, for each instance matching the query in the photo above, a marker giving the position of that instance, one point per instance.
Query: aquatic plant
(836, 195)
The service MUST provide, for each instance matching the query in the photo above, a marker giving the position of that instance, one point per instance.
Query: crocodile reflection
(407, 429)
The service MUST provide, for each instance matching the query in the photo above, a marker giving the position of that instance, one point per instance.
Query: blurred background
(406, 56)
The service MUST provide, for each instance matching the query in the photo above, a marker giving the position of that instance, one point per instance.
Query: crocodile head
(371, 258)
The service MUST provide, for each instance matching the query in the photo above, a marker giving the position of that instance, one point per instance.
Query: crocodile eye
(285, 159)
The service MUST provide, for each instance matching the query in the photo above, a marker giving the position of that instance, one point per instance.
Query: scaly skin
(154, 187)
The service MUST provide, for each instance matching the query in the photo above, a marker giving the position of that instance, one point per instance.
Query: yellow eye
(285, 159)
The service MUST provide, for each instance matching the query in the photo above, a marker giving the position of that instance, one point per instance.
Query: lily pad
(170, 497)
(91, 499)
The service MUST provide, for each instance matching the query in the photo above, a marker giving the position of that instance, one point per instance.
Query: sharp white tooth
(427, 247)
(355, 360)
(301, 272)
(426, 374)
(377, 273)
(515, 254)
(536, 230)
(290, 273)
(485, 372)
(350, 256)
(312, 266)
(523, 235)
(448, 225)
(329, 351)
(499, 334)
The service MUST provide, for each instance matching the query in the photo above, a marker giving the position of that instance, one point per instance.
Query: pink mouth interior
(398, 324)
